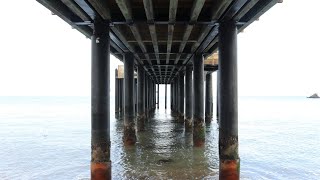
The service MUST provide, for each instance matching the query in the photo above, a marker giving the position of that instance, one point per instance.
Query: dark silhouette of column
(189, 98)
(228, 102)
(198, 104)
(141, 99)
(100, 102)
(165, 94)
(181, 97)
(208, 98)
(129, 137)
(116, 91)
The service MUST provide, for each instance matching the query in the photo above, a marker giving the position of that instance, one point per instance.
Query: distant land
(315, 95)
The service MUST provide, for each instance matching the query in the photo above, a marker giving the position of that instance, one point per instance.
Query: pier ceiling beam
(126, 10)
(148, 6)
(100, 102)
(172, 17)
(228, 102)
(160, 32)
(194, 14)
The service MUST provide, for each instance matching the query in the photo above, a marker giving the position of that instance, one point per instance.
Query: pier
(178, 43)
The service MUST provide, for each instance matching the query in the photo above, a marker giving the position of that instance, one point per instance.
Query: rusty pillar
(228, 102)
(188, 103)
(141, 99)
(116, 91)
(198, 104)
(135, 96)
(171, 86)
(177, 96)
(165, 98)
(172, 96)
(208, 98)
(129, 137)
(146, 100)
(153, 95)
(100, 102)
(150, 94)
(158, 95)
(120, 94)
(181, 97)
(217, 98)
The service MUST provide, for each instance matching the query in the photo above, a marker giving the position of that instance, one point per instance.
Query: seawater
(49, 138)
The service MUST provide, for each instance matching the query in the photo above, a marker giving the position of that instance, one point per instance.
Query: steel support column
(208, 98)
(116, 95)
(146, 90)
(141, 99)
(188, 103)
(129, 137)
(181, 97)
(217, 98)
(158, 95)
(228, 102)
(198, 104)
(177, 97)
(135, 96)
(165, 98)
(120, 93)
(172, 97)
(151, 95)
(100, 102)
(155, 95)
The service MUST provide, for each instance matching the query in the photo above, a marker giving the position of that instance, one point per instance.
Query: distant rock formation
(315, 95)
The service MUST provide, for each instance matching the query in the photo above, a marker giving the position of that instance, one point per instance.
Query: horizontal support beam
(145, 22)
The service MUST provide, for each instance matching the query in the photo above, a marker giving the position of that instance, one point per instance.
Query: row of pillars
(149, 102)
(194, 118)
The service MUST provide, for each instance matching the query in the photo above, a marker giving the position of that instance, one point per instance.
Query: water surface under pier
(49, 138)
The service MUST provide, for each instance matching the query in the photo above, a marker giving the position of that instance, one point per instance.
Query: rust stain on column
(198, 132)
(141, 122)
(229, 159)
(100, 161)
(129, 137)
(229, 169)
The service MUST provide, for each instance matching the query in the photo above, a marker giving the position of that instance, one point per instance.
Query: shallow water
(49, 138)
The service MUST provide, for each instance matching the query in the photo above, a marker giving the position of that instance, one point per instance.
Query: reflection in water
(164, 151)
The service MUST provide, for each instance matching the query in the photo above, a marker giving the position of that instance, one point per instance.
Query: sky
(41, 55)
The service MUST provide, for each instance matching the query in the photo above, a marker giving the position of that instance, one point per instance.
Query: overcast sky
(42, 55)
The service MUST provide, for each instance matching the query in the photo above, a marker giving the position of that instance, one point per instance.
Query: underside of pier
(163, 41)
(163, 35)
